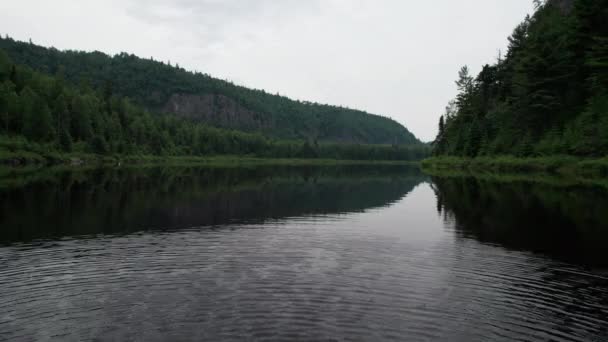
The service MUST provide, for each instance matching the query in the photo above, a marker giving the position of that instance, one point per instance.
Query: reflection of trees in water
(569, 222)
(122, 200)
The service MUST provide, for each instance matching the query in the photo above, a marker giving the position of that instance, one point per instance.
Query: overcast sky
(397, 58)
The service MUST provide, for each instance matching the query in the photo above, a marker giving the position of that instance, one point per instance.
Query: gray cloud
(217, 20)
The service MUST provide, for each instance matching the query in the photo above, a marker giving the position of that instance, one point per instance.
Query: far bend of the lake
(357, 253)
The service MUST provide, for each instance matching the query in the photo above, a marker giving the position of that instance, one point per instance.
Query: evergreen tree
(99, 145)
(51, 110)
(465, 88)
(81, 126)
(549, 94)
(65, 140)
(156, 87)
(5, 66)
(38, 122)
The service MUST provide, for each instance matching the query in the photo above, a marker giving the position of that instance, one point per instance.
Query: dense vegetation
(567, 167)
(42, 110)
(155, 85)
(547, 96)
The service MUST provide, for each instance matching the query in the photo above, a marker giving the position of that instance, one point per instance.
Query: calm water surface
(279, 253)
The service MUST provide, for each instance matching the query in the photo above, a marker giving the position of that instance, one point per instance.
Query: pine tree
(65, 140)
(597, 60)
(465, 88)
(38, 122)
(5, 66)
(99, 145)
(81, 120)
(14, 78)
(439, 141)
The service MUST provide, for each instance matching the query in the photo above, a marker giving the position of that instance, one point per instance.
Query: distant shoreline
(31, 159)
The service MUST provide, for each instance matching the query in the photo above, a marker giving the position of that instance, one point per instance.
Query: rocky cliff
(217, 110)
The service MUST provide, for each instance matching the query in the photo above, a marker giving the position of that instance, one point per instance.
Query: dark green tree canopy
(162, 88)
(547, 96)
(50, 111)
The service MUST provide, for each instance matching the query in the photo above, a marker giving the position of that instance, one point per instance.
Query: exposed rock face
(224, 112)
(216, 110)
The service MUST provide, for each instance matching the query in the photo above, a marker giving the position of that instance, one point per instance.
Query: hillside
(548, 95)
(162, 88)
(44, 118)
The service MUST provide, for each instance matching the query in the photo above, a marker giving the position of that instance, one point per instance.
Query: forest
(158, 85)
(50, 111)
(546, 96)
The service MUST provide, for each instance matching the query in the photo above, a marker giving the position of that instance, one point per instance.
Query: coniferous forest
(124, 105)
(546, 95)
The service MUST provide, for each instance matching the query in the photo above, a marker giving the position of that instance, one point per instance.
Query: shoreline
(78, 160)
(503, 165)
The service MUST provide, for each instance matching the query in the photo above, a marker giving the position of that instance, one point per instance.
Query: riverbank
(17, 152)
(560, 165)
(29, 159)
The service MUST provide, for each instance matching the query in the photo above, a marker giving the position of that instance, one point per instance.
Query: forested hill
(161, 87)
(45, 119)
(547, 95)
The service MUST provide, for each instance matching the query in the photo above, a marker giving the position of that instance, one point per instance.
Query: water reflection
(67, 203)
(566, 221)
(328, 254)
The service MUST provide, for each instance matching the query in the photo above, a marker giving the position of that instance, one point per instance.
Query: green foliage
(97, 117)
(99, 145)
(152, 85)
(547, 96)
(5, 66)
(507, 164)
(587, 134)
(60, 118)
(36, 117)
(65, 140)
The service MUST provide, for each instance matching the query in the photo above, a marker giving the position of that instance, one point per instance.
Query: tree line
(151, 84)
(50, 110)
(547, 95)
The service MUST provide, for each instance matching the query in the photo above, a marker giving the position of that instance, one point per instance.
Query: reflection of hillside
(568, 222)
(122, 200)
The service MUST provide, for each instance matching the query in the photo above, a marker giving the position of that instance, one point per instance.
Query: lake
(363, 253)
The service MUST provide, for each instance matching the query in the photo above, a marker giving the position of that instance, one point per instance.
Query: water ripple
(346, 277)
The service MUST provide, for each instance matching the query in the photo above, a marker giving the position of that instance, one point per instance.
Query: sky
(396, 58)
